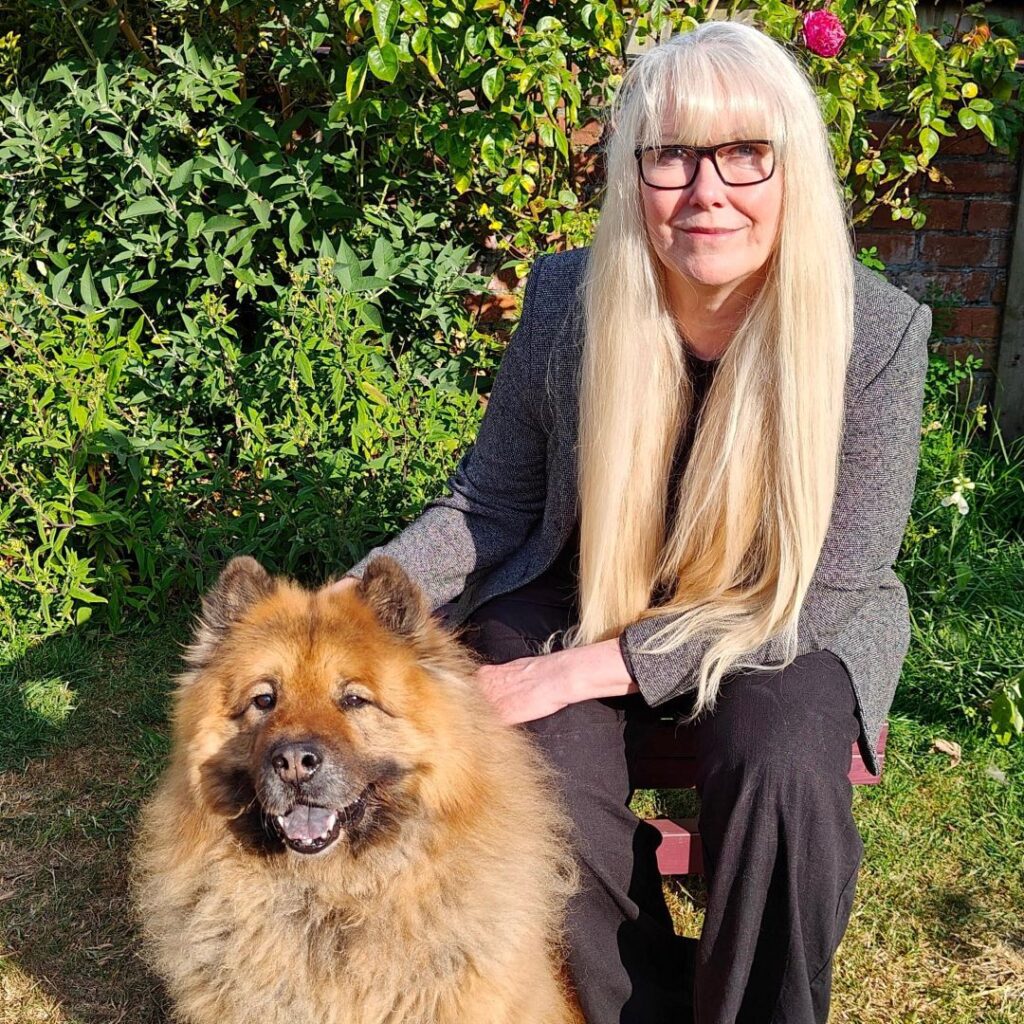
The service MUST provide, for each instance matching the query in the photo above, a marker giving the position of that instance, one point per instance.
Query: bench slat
(680, 851)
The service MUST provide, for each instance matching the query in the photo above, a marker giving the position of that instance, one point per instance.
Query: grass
(937, 932)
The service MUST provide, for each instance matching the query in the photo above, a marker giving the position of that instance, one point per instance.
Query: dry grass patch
(69, 947)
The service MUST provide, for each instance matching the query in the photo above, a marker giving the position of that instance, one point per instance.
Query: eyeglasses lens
(741, 164)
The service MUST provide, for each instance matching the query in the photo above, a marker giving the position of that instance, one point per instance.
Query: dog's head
(321, 721)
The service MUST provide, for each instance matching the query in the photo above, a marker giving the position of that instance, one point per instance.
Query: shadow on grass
(82, 735)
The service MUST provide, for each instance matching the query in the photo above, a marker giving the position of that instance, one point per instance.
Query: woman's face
(746, 219)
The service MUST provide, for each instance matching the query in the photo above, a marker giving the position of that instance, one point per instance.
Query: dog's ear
(396, 601)
(242, 582)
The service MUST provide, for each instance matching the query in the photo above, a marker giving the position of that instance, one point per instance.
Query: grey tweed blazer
(512, 501)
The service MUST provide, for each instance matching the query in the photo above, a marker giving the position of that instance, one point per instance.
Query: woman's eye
(670, 154)
(353, 700)
(264, 701)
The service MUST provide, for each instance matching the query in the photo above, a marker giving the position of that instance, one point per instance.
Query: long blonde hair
(756, 496)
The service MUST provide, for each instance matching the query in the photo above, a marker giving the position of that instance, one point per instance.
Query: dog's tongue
(307, 823)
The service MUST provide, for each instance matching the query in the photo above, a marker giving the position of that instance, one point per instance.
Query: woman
(698, 459)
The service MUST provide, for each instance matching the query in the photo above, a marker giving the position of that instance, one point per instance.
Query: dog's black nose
(296, 762)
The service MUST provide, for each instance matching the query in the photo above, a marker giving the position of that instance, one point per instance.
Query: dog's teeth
(330, 824)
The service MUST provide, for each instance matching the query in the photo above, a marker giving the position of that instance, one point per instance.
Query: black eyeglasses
(743, 162)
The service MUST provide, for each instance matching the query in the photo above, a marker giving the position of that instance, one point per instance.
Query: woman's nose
(707, 186)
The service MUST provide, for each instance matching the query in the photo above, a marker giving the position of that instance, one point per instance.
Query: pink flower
(823, 33)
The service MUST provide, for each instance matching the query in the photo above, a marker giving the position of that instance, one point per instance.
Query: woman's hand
(530, 688)
(527, 688)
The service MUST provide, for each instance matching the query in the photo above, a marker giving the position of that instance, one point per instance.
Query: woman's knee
(796, 720)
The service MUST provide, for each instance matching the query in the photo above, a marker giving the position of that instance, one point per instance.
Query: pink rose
(823, 33)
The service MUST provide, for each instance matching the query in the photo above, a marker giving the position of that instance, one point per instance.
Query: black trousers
(781, 850)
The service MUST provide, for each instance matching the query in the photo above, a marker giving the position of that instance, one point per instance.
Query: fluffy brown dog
(346, 834)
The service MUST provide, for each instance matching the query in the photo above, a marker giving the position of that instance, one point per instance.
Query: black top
(563, 573)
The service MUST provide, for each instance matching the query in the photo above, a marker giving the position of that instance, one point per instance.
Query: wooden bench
(669, 762)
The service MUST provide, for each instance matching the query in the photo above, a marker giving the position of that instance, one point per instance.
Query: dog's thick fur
(441, 899)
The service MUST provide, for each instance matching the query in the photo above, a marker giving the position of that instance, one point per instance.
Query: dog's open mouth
(307, 828)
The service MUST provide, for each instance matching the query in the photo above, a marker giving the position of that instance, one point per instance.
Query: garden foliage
(236, 242)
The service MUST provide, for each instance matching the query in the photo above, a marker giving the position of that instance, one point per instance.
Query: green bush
(134, 465)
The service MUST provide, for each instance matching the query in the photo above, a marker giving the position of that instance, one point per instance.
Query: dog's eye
(353, 700)
(264, 701)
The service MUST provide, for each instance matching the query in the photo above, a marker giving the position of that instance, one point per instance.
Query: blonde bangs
(708, 91)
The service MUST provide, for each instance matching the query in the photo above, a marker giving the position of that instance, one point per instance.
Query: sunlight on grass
(51, 699)
(23, 999)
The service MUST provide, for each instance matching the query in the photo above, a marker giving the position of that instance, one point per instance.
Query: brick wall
(963, 249)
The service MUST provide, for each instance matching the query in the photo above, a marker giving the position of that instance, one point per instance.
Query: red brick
(984, 215)
(587, 134)
(972, 285)
(948, 250)
(984, 350)
(944, 214)
(491, 308)
(895, 246)
(989, 177)
(965, 144)
(975, 322)
(881, 219)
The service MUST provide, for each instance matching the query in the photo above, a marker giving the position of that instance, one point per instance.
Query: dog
(345, 832)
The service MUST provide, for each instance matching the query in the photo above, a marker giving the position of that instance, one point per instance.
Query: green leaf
(929, 140)
(305, 368)
(433, 57)
(355, 78)
(967, 117)
(493, 83)
(551, 91)
(57, 283)
(489, 153)
(181, 175)
(222, 222)
(296, 224)
(88, 286)
(924, 49)
(383, 62)
(829, 106)
(988, 129)
(215, 267)
(143, 208)
(385, 18)
(1007, 712)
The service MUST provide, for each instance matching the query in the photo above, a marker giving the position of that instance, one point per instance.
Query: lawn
(937, 932)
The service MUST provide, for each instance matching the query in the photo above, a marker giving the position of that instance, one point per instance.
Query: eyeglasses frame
(703, 151)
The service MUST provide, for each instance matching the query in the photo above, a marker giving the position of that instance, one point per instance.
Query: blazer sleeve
(498, 489)
(875, 488)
